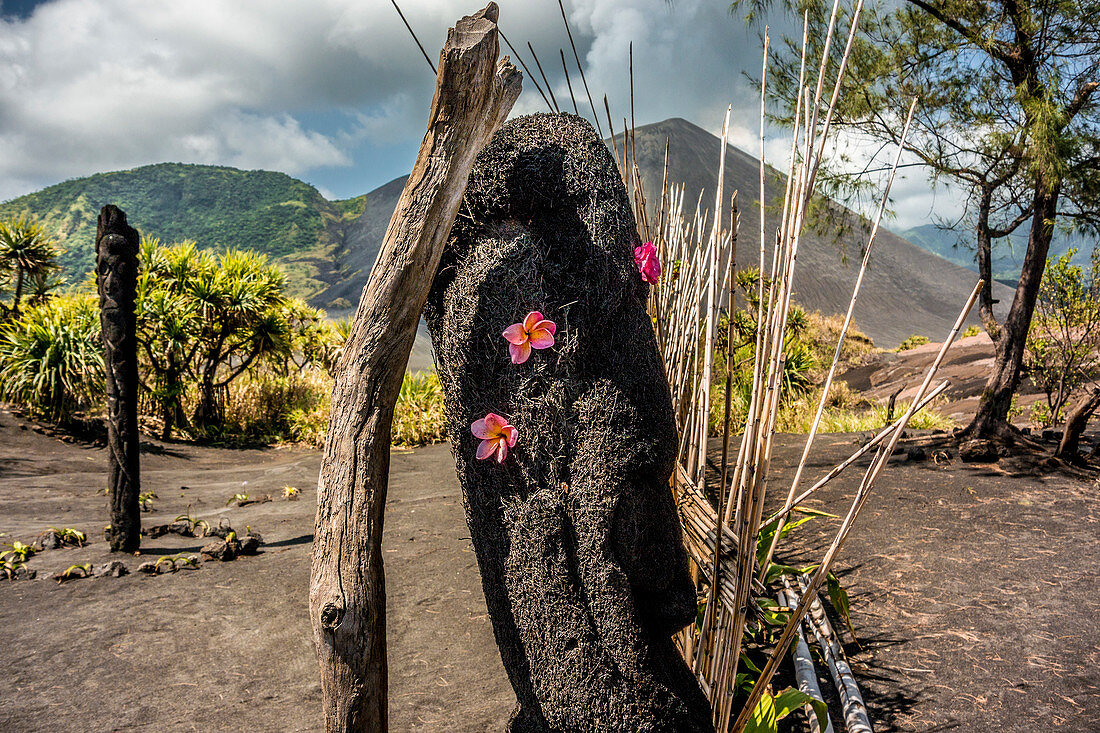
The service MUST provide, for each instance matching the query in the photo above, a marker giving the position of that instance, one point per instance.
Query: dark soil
(973, 594)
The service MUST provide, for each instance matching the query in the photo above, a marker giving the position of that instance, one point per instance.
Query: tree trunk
(116, 275)
(991, 419)
(18, 290)
(474, 94)
(1075, 425)
(985, 267)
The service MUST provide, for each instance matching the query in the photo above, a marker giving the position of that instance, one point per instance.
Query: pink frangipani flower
(645, 257)
(535, 332)
(496, 434)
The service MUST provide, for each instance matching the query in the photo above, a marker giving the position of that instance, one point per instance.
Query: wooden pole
(474, 93)
(116, 255)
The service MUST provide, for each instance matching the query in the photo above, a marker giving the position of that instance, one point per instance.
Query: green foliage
(838, 595)
(199, 527)
(798, 365)
(73, 572)
(418, 417)
(204, 320)
(912, 342)
(70, 536)
(1063, 344)
(771, 709)
(291, 493)
(171, 563)
(267, 406)
(971, 331)
(223, 208)
(51, 358)
(145, 500)
(238, 499)
(27, 255)
(20, 552)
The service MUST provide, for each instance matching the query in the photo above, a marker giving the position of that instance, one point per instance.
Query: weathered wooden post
(116, 250)
(347, 600)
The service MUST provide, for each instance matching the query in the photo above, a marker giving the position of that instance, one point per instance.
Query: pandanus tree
(51, 359)
(168, 325)
(205, 319)
(27, 253)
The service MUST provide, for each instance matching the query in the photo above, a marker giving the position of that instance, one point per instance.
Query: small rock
(979, 450)
(222, 530)
(149, 568)
(250, 544)
(48, 540)
(224, 551)
(157, 530)
(113, 569)
(181, 528)
(916, 453)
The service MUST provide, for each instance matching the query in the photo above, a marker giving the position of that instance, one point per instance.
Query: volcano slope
(973, 596)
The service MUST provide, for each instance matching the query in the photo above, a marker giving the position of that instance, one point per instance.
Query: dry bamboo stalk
(856, 719)
(413, 34)
(840, 341)
(549, 89)
(836, 90)
(763, 96)
(708, 619)
(712, 294)
(572, 45)
(568, 84)
(860, 499)
(872, 443)
(525, 69)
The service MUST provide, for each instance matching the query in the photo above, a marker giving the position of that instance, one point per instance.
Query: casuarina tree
(1007, 115)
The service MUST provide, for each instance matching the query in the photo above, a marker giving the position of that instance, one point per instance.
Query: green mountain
(218, 207)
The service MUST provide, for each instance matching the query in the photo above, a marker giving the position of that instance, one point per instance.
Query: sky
(336, 92)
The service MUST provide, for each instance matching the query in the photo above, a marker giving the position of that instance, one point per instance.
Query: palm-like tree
(26, 251)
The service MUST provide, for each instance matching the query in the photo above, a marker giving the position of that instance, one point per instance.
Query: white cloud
(305, 87)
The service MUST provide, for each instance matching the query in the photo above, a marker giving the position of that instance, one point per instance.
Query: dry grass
(418, 418)
(295, 408)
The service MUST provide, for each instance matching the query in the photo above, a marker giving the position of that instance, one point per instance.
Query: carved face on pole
(575, 530)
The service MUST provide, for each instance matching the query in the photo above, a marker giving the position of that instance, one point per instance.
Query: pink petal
(479, 429)
(542, 338)
(487, 448)
(502, 450)
(510, 434)
(546, 325)
(494, 423)
(531, 320)
(520, 352)
(515, 334)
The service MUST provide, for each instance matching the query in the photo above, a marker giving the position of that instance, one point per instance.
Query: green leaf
(763, 719)
(841, 603)
(791, 699)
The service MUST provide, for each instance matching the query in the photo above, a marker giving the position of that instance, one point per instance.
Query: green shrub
(418, 418)
(51, 358)
(266, 406)
(912, 342)
(971, 331)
